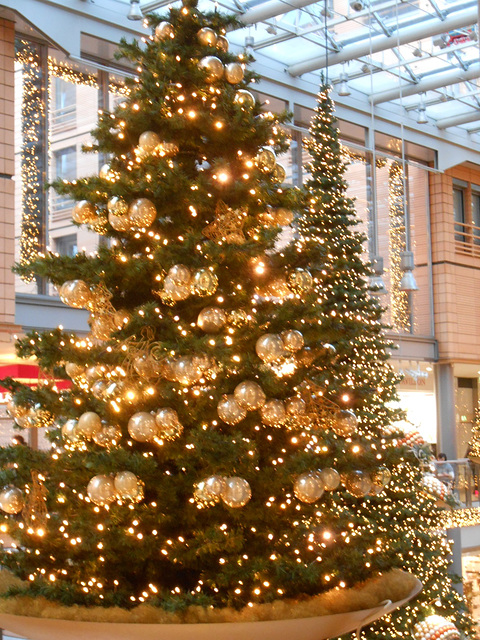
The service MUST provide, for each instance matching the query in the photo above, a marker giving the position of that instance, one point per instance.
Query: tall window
(476, 217)
(459, 214)
(63, 115)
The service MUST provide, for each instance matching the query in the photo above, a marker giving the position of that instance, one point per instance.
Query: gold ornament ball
(168, 423)
(148, 141)
(69, 431)
(279, 173)
(222, 43)
(213, 66)
(250, 395)
(215, 485)
(180, 274)
(308, 487)
(283, 217)
(292, 339)
(147, 367)
(230, 411)
(381, 476)
(102, 327)
(88, 424)
(108, 437)
(142, 212)
(98, 389)
(270, 347)
(117, 206)
(142, 427)
(236, 492)
(203, 496)
(74, 370)
(204, 282)
(128, 486)
(244, 99)
(300, 281)
(105, 172)
(207, 37)
(84, 212)
(358, 484)
(75, 293)
(164, 30)
(234, 72)
(176, 291)
(330, 479)
(238, 317)
(186, 371)
(211, 319)
(266, 159)
(344, 423)
(273, 413)
(100, 225)
(101, 490)
(11, 500)
(119, 223)
(295, 406)
(93, 373)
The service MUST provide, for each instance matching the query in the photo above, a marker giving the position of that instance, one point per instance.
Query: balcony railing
(60, 206)
(63, 118)
(467, 238)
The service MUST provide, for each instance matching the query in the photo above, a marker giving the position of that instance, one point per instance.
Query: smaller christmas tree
(473, 451)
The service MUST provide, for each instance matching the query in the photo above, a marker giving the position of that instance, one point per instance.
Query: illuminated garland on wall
(400, 307)
(32, 122)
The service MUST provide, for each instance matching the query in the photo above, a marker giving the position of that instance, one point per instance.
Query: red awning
(27, 374)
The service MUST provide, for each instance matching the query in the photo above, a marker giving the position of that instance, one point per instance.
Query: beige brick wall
(456, 277)
(7, 232)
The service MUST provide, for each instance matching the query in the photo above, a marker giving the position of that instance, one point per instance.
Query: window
(66, 245)
(459, 214)
(66, 163)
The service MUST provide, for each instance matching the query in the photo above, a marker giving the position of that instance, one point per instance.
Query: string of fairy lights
(399, 307)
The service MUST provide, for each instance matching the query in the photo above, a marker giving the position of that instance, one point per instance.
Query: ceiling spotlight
(357, 5)
(272, 30)
(135, 13)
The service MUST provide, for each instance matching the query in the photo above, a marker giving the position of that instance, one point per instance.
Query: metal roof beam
(454, 121)
(437, 81)
(455, 20)
(272, 8)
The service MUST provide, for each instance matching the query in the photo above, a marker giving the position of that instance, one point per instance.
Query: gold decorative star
(227, 226)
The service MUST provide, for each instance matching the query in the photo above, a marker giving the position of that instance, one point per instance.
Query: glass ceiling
(422, 55)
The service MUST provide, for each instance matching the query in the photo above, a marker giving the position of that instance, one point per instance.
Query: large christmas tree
(225, 440)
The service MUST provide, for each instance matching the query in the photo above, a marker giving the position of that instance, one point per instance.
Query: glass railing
(466, 487)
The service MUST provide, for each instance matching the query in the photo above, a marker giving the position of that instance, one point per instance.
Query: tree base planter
(315, 628)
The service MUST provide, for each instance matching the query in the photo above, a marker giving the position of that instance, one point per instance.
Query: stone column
(7, 217)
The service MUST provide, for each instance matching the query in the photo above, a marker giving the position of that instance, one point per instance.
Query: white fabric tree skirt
(318, 628)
